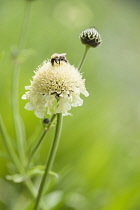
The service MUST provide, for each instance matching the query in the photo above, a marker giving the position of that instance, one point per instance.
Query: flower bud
(46, 121)
(90, 37)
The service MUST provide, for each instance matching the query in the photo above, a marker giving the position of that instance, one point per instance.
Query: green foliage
(98, 157)
(36, 170)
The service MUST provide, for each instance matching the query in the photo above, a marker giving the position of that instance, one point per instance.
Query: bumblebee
(57, 58)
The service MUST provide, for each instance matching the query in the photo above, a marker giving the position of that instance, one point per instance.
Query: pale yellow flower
(55, 89)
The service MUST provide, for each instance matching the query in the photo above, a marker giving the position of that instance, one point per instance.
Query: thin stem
(18, 123)
(31, 187)
(84, 57)
(32, 190)
(41, 139)
(50, 159)
(22, 37)
(8, 145)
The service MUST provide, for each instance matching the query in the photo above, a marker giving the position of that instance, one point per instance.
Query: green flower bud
(90, 37)
(46, 121)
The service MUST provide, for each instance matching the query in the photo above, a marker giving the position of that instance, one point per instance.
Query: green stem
(31, 187)
(41, 139)
(9, 147)
(23, 33)
(84, 57)
(18, 123)
(50, 159)
(33, 191)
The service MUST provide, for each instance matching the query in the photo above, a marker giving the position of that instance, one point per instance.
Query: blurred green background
(98, 159)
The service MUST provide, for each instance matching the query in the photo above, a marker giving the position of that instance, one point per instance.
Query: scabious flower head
(55, 88)
(90, 37)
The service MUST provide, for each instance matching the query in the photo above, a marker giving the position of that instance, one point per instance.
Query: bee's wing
(63, 54)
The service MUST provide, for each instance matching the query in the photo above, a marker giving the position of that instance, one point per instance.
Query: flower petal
(29, 106)
(39, 113)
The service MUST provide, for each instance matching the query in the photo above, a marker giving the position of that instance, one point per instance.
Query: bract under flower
(90, 37)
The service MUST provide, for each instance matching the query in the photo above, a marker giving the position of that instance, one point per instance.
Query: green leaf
(40, 170)
(17, 178)
(37, 170)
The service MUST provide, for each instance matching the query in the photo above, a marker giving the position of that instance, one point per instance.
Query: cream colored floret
(55, 88)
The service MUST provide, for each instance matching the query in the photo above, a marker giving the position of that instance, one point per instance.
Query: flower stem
(50, 159)
(9, 147)
(22, 37)
(31, 187)
(33, 191)
(41, 139)
(84, 57)
(18, 123)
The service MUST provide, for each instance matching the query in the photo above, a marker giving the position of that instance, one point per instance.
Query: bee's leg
(52, 62)
(56, 61)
